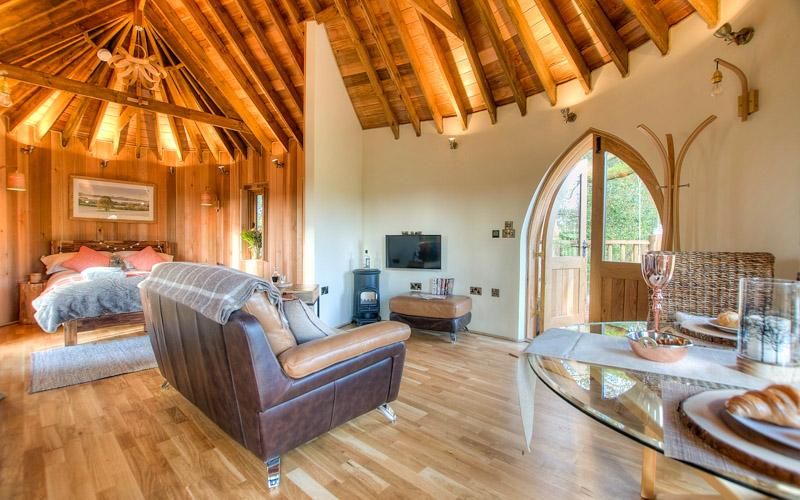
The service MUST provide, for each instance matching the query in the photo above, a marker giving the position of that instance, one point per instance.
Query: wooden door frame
(544, 199)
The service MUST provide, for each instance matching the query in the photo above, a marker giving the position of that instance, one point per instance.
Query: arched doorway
(583, 267)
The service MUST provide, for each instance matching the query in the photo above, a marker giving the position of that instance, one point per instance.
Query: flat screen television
(414, 251)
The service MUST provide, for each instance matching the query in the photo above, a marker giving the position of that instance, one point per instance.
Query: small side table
(27, 293)
(309, 294)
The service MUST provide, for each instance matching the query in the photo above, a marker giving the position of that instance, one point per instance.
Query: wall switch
(495, 233)
(495, 292)
(323, 290)
(416, 286)
(475, 290)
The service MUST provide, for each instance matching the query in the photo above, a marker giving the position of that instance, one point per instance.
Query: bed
(82, 302)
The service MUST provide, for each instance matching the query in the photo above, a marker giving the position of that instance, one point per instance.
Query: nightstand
(28, 292)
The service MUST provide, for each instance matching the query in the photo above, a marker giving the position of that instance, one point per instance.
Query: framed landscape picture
(111, 201)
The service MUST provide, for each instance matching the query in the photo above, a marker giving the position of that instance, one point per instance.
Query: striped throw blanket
(213, 291)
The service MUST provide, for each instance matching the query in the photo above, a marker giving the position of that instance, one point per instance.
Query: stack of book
(442, 286)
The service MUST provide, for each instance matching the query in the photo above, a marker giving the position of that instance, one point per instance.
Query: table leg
(526, 387)
(71, 333)
(318, 307)
(648, 486)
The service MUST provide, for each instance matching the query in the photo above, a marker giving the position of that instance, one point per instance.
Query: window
(254, 221)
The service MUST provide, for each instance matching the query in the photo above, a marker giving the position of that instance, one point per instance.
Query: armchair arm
(311, 357)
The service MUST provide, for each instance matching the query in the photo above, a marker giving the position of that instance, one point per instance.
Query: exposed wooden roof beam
(123, 120)
(286, 35)
(292, 10)
(74, 121)
(193, 133)
(652, 20)
(366, 62)
(259, 75)
(201, 100)
(452, 81)
(108, 95)
(437, 16)
(708, 10)
(208, 133)
(565, 41)
(314, 5)
(56, 109)
(97, 120)
(487, 17)
(391, 67)
(327, 14)
(533, 49)
(156, 132)
(156, 49)
(416, 64)
(474, 61)
(166, 15)
(606, 33)
(255, 27)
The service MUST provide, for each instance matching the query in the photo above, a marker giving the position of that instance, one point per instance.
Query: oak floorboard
(458, 434)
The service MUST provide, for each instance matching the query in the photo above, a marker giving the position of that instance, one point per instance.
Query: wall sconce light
(740, 37)
(221, 169)
(748, 101)
(104, 163)
(568, 115)
(278, 163)
(27, 149)
(209, 199)
(15, 181)
(453, 143)
(5, 91)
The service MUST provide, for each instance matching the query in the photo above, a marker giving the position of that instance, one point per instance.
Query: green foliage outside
(253, 239)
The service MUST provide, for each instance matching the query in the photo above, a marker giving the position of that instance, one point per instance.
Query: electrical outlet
(495, 292)
(323, 290)
(416, 286)
(495, 233)
(475, 290)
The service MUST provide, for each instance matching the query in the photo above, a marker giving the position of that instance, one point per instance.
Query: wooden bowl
(659, 347)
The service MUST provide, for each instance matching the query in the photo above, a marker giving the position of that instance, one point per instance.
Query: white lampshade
(15, 181)
(104, 55)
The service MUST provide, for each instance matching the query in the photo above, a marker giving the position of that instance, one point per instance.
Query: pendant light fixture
(5, 91)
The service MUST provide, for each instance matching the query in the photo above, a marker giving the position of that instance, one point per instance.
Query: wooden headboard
(58, 246)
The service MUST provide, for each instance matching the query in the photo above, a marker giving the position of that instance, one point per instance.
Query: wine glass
(657, 270)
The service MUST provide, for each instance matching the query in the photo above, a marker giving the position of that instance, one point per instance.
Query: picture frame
(110, 200)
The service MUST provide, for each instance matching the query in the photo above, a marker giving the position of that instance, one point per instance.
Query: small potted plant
(253, 239)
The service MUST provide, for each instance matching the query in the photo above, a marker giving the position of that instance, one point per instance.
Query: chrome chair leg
(274, 472)
(388, 412)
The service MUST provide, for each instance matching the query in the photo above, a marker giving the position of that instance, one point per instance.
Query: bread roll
(777, 404)
(728, 319)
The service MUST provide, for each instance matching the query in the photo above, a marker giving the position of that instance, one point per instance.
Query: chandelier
(137, 68)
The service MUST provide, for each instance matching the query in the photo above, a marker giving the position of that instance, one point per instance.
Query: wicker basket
(707, 283)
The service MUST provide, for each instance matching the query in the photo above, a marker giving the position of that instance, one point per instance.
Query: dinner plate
(726, 329)
(786, 436)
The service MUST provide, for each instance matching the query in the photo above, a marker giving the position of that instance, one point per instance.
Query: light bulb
(716, 83)
(104, 55)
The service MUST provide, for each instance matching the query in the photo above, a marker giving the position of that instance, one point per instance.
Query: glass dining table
(627, 401)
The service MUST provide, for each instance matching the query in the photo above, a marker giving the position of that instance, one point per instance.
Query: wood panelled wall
(29, 220)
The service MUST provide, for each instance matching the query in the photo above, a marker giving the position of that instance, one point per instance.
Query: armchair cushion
(278, 336)
(311, 357)
(305, 325)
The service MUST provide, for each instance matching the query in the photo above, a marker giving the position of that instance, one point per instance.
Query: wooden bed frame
(72, 327)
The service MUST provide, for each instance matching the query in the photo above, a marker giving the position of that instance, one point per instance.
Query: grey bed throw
(87, 299)
(213, 291)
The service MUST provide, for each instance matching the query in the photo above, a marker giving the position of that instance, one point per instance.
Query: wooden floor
(458, 435)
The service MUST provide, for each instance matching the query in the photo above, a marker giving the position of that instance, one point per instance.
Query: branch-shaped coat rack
(672, 176)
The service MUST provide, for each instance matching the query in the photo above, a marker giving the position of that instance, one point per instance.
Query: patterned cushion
(144, 260)
(305, 325)
(86, 258)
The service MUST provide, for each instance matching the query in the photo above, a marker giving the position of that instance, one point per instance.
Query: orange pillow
(144, 260)
(86, 258)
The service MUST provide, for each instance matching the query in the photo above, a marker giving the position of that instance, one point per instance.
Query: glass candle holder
(769, 327)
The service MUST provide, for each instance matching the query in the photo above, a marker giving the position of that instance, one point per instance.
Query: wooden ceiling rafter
(509, 70)
(193, 132)
(208, 133)
(391, 67)
(437, 16)
(606, 33)
(257, 72)
(532, 48)
(198, 63)
(474, 60)
(259, 33)
(452, 81)
(363, 55)
(417, 67)
(653, 22)
(201, 100)
(708, 10)
(566, 43)
(286, 36)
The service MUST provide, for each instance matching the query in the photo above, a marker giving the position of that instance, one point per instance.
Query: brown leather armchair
(272, 404)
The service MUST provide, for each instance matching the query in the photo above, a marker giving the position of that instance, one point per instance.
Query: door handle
(584, 246)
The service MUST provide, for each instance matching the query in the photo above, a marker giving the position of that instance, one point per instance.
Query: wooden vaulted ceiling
(236, 67)
(407, 61)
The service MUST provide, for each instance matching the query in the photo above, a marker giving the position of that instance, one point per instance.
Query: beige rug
(65, 366)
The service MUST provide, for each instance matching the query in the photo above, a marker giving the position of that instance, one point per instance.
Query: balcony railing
(614, 250)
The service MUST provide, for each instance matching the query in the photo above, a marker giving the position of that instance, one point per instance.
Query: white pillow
(53, 262)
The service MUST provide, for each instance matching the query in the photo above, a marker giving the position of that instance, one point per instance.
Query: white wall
(333, 180)
(745, 177)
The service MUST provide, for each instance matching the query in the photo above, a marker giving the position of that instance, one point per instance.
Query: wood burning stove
(366, 296)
